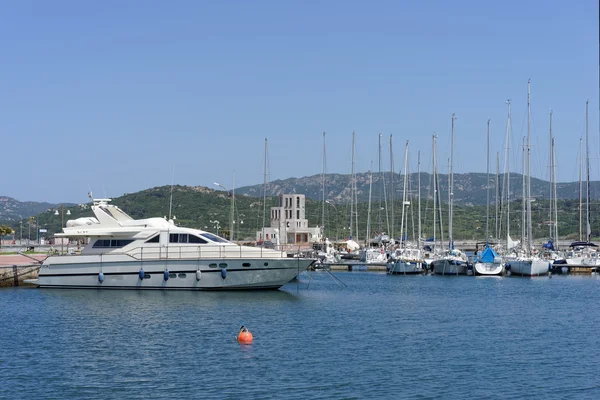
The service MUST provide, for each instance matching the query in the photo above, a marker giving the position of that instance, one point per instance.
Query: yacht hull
(449, 267)
(224, 274)
(488, 269)
(529, 267)
(405, 268)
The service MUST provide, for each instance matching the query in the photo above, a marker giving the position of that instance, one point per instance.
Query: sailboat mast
(323, 188)
(451, 188)
(487, 210)
(580, 187)
(419, 199)
(392, 190)
(449, 208)
(352, 190)
(368, 237)
(507, 167)
(381, 183)
(523, 194)
(587, 162)
(529, 233)
(434, 185)
(232, 216)
(550, 219)
(404, 195)
(264, 193)
(496, 220)
(555, 196)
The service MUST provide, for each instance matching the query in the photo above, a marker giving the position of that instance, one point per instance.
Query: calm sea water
(378, 337)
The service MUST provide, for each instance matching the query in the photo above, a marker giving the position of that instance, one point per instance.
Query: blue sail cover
(549, 245)
(488, 255)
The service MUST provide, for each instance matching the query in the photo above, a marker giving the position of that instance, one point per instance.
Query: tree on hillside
(4, 230)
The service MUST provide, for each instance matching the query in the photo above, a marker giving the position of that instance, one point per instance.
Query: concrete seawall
(16, 268)
(15, 275)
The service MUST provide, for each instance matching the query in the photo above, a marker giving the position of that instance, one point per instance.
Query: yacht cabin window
(214, 238)
(111, 243)
(185, 238)
(155, 239)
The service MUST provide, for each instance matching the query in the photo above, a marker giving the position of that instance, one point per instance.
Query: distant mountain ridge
(469, 188)
(12, 209)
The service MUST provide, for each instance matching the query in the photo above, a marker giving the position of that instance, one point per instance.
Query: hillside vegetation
(201, 207)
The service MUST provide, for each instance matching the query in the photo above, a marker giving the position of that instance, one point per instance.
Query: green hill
(200, 207)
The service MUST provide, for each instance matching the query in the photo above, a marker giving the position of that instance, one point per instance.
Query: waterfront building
(289, 223)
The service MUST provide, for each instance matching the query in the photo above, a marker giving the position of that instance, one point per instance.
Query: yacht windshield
(214, 238)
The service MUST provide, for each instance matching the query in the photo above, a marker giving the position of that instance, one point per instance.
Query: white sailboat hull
(120, 272)
(449, 267)
(488, 269)
(529, 267)
(405, 268)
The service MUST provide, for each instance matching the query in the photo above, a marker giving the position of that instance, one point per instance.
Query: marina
(300, 200)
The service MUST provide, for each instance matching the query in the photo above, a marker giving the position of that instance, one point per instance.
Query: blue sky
(115, 96)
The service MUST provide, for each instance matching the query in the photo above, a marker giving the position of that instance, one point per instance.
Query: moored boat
(488, 264)
(154, 253)
(406, 261)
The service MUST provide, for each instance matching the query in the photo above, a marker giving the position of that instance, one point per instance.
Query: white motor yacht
(124, 253)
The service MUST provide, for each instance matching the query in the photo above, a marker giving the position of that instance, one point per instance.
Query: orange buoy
(244, 337)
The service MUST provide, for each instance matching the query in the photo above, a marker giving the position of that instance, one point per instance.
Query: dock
(16, 268)
(576, 269)
(355, 267)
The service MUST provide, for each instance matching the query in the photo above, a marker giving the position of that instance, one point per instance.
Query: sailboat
(406, 259)
(374, 251)
(584, 252)
(488, 262)
(454, 262)
(528, 264)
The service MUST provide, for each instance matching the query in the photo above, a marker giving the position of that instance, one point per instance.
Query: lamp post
(231, 210)
(21, 224)
(29, 233)
(62, 224)
(216, 225)
(240, 219)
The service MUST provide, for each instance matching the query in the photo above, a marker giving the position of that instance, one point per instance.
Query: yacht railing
(202, 252)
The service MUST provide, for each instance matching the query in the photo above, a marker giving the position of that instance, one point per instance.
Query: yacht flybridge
(153, 253)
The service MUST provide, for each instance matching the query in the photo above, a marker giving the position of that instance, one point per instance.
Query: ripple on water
(378, 336)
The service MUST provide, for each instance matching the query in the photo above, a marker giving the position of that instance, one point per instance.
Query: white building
(289, 223)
